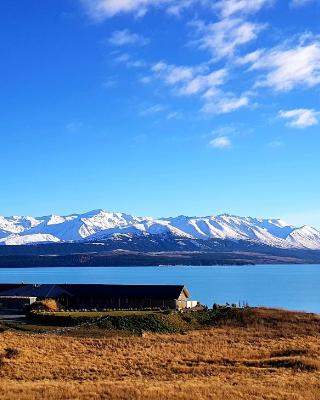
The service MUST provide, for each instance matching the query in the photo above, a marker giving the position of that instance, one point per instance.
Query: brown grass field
(275, 355)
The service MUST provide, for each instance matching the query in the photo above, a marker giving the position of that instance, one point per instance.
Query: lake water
(295, 287)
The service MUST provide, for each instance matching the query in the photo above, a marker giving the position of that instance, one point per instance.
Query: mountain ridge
(99, 224)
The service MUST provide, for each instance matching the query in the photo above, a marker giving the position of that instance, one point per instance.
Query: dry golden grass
(276, 356)
(49, 305)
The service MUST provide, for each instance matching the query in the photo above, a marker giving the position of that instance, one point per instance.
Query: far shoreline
(258, 265)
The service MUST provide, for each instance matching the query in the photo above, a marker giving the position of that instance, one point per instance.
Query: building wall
(16, 303)
(119, 303)
(192, 303)
(182, 301)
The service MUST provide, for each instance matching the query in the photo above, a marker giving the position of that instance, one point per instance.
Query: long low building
(89, 296)
(17, 303)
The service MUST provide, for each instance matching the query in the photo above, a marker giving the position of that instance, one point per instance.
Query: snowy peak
(101, 224)
(233, 227)
(305, 237)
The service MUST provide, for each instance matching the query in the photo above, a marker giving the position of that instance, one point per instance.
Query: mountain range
(99, 225)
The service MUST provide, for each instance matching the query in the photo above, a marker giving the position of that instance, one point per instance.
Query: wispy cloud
(103, 9)
(223, 131)
(224, 37)
(288, 67)
(173, 74)
(174, 115)
(300, 118)
(300, 3)
(125, 37)
(178, 6)
(226, 104)
(188, 81)
(221, 142)
(128, 61)
(295, 63)
(231, 7)
(199, 81)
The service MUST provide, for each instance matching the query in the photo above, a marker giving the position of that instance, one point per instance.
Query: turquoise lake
(294, 287)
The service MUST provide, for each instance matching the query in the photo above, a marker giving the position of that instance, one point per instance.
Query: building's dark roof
(133, 291)
(43, 291)
(9, 286)
(98, 291)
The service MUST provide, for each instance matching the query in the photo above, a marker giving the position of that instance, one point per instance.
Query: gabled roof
(186, 292)
(43, 291)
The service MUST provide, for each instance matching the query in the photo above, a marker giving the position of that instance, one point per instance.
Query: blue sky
(161, 107)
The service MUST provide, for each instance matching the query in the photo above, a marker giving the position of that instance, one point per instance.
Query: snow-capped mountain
(101, 225)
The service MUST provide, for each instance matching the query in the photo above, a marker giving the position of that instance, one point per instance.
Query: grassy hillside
(250, 354)
(135, 322)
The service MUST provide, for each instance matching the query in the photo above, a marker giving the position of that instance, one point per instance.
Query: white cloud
(178, 6)
(224, 131)
(187, 81)
(221, 142)
(300, 3)
(224, 37)
(125, 37)
(231, 7)
(249, 58)
(102, 9)
(126, 59)
(174, 115)
(202, 83)
(173, 74)
(300, 117)
(122, 58)
(199, 81)
(225, 104)
(287, 67)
